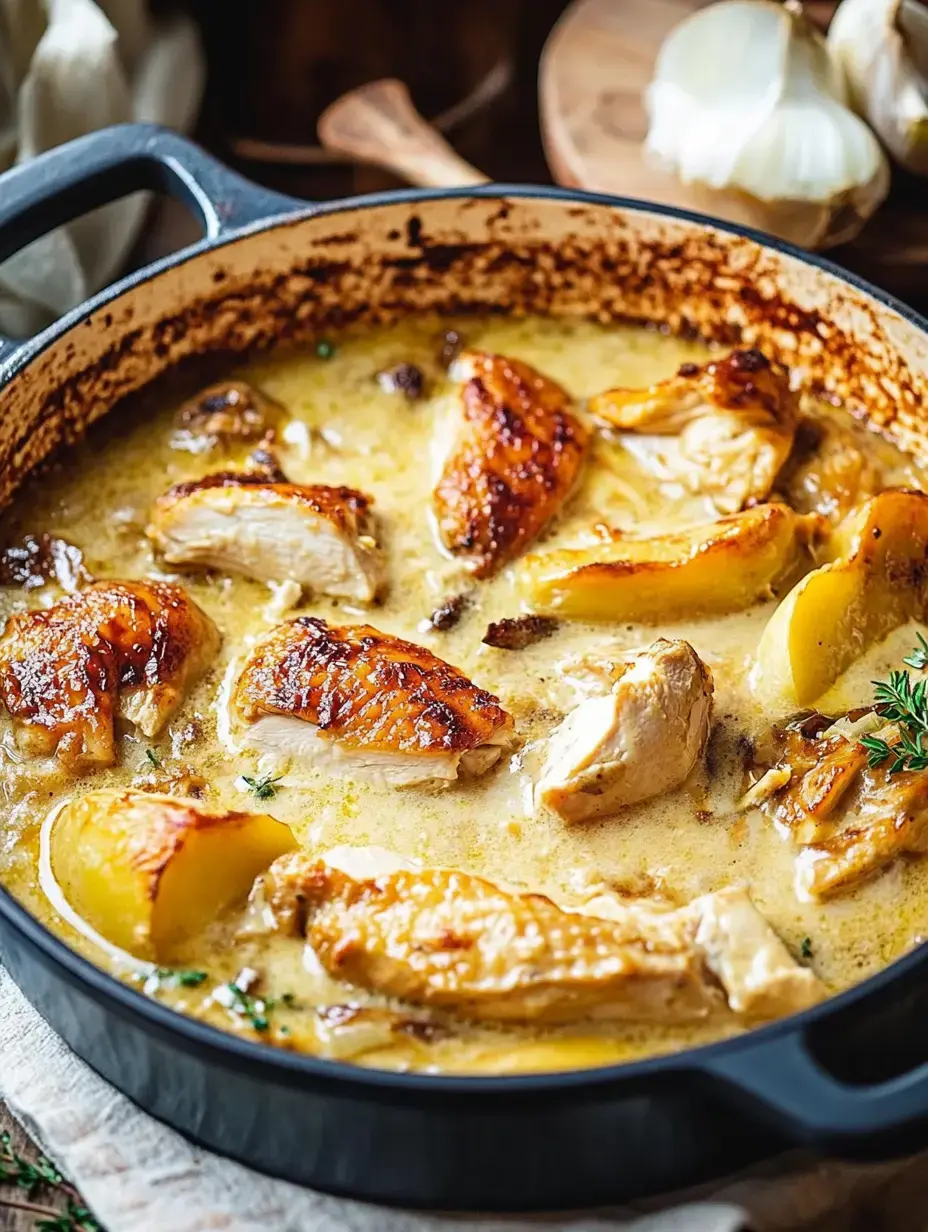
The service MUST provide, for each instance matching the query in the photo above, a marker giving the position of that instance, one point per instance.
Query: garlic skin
(867, 41)
(747, 109)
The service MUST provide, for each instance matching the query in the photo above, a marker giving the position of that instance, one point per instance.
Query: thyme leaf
(903, 701)
(262, 789)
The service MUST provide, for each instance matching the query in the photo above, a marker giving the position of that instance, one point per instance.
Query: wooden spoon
(377, 123)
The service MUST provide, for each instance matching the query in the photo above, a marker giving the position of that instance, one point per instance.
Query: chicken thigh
(117, 648)
(735, 419)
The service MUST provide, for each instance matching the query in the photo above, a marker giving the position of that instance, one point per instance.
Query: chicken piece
(887, 818)
(852, 819)
(225, 414)
(829, 472)
(318, 536)
(127, 649)
(447, 940)
(641, 739)
(757, 971)
(807, 803)
(353, 700)
(735, 419)
(514, 462)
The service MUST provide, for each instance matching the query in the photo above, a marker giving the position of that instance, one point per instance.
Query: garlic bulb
(747, 109)
(879, 44)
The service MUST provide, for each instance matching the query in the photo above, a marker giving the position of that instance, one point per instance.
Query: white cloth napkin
(139, 1176)
(68, 67)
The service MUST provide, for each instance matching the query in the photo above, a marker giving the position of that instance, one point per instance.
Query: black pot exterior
(850, 1076)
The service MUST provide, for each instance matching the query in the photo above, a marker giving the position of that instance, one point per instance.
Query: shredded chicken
(320, 537)
(638, 740)
(735, 419)
(451, 941)
(353, 700)
(515, 461)
(117, 648)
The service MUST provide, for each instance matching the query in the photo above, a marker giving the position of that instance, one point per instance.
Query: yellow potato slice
(716, 567)
(875, 579)
(148, 871)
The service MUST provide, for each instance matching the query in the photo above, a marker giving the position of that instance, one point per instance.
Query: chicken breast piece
(735, 418)
(321, 537)
(228, 413)
(127, 649)
(516, 459)
(639, 740)
(452, 941)
(354, 701)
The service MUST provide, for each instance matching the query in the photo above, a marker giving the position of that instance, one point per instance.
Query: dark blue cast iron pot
(849, 1076)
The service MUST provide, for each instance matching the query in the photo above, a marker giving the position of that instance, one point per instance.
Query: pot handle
(93, 170)
(783, 1080)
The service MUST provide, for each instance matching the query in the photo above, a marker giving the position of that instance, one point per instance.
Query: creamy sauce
(346, 430)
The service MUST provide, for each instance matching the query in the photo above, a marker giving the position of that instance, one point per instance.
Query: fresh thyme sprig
(262, 789)
(30, 1178)
(903, 701)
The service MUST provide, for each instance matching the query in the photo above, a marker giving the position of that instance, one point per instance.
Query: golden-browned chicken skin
(243, 522)
(852, 819)
(452, 941)
(514, 462)
(224, 414)
(735, 419)
(351, 698)
(117, 648)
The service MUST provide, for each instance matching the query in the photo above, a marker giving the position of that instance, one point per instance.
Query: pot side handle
(782, 1080)
(59, 186)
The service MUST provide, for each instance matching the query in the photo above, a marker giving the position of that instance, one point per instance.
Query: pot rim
(280, 1063)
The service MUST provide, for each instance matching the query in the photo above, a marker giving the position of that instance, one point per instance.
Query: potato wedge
(148, 871)
(715, 567)
(875, 579)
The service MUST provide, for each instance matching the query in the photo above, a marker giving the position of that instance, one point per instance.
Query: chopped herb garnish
(169, 977)
(805, 950)
(262, 789)
(254, 1009)
(154, 758)
(902, 701)
(325, 349)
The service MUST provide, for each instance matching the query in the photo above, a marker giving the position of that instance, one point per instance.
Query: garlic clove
(747, 108)
(882, 48)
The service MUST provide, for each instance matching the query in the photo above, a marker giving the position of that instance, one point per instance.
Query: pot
(848, 1076)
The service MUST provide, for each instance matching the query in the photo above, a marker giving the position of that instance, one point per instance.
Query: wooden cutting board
(597, 62)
